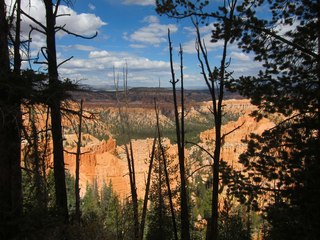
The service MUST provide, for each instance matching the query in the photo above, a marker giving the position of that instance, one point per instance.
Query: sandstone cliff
(105, 161)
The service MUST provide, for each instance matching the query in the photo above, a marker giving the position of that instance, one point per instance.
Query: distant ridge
(144, 95)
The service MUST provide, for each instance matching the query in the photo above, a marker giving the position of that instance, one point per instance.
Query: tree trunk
(146, 195)
(10, 171)
(54, 104)
(185, 229)
(78, 154)
(165, 169)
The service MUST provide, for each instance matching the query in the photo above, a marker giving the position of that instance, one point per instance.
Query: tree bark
(78, 154)
(54, 104)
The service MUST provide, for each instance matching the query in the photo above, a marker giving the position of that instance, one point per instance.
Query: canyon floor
(103, 158)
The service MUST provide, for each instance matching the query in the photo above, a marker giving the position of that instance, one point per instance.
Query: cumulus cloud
(83, 24)
(98, 64)
(137, 46)
(240, 56)
(205, 32)
(99, 54)
(79, 23)
(245, 68)
(151, 19)
(139, 2)
(154, 33)
(77, 47)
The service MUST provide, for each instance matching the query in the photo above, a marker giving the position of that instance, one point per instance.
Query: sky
(130, 35)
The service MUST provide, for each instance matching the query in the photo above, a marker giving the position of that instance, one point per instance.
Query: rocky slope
(104, 161)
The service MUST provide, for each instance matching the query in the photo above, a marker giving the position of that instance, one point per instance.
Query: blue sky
(129, 33)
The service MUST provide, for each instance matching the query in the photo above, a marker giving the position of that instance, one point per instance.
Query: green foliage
(142, 129)
(40, 218)
(234, 221)
(160, 224)
(110, 211)
(90, 203)
(70, 183)
(283, 163)
(103, 215)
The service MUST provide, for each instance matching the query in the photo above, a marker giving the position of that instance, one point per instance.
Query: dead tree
(54, 103)
(56, 95)
(78, 153)
(165, 169)
(124, 122)
(179, 124)
(146, 195)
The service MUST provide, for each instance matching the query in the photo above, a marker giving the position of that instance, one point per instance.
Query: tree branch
(68, 59)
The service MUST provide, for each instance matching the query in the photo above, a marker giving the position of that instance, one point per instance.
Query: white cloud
(99, 64)
(99, 54)
(152, 34)
(139, 2)
(79, 47)
(190, 46)
(137, 46)
(205, 34)
(239, 56)
(151, 19)
(91, 6)
(245, 68)
(82, 24)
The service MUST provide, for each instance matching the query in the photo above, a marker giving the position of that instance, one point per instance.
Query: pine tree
(283, 163)
(90, 204)
(160, 219)
(110, 211)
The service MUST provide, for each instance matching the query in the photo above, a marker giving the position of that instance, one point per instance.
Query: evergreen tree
(110, 211)
(90, 203)
(232, 223)
(160, 224)
(283, 163)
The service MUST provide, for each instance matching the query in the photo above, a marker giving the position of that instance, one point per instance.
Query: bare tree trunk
(44, 157)
(185, 228)
(165, 169)
(78, 154)
(17, 41)
(146, 195)
(54, 103)
(129, 150)
(134, 196)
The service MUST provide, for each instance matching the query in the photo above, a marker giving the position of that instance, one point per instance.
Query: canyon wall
(104, 161)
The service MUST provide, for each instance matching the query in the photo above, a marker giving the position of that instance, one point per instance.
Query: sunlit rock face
(105, 162)
(236, 131)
